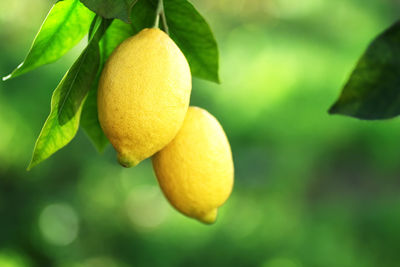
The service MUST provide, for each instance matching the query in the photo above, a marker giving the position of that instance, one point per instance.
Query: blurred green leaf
(373, 90)
(116, 33)
(67, 100)
(194, 37)
(111, 9)
(64, 26)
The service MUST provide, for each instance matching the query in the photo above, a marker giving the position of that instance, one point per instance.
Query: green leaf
(143, 15)
(111, 9)
(373, 90)
(194, 37)
(65, 25)
(90, 122)
(188, 29)
(67, 101)
(116, 33)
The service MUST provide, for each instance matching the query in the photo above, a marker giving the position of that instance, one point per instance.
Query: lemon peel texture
(195, 171)
(143, 95)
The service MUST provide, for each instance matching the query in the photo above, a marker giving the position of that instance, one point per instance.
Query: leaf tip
(333, 110)
(30, 166)
(5, 78)
(16, 72)
(33, 161)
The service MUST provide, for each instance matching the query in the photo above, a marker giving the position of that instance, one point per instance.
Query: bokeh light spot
(58, 224)
(146, 207)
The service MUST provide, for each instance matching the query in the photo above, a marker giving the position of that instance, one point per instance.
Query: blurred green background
(310, 189)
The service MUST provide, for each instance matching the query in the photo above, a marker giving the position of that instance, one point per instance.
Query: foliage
(64, 26)
(111, 9)
(373, 90)
(192, 34)
(68, 98)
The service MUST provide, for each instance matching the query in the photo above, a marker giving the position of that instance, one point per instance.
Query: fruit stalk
(159, 9)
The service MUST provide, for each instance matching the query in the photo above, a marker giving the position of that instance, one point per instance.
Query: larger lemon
(143, 95)
(195, 171)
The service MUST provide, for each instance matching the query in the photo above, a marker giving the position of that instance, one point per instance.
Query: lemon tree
(372, 91)
(131, 87)
(107, 23)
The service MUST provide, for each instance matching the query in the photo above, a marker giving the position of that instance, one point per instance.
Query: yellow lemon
(195, 171)
(143, 95)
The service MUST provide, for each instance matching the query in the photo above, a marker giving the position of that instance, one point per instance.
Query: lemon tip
(127, 162)
(210, 217)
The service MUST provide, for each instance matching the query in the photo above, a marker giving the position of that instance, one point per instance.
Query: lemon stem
(164, 21)
(160, 13)
(159, 9)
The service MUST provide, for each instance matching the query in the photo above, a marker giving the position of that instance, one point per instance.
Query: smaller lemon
(195, 171)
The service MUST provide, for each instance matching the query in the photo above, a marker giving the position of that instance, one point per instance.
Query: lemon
(143, 95)
(195, 171)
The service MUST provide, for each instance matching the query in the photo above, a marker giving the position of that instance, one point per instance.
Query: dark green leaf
(143, 14)
(194, 37)
(111, 9)
(90, 122)
(373, 90)
(188, 29)
(93, 27)
(116, 33)
(64, 26)
(67, 101)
